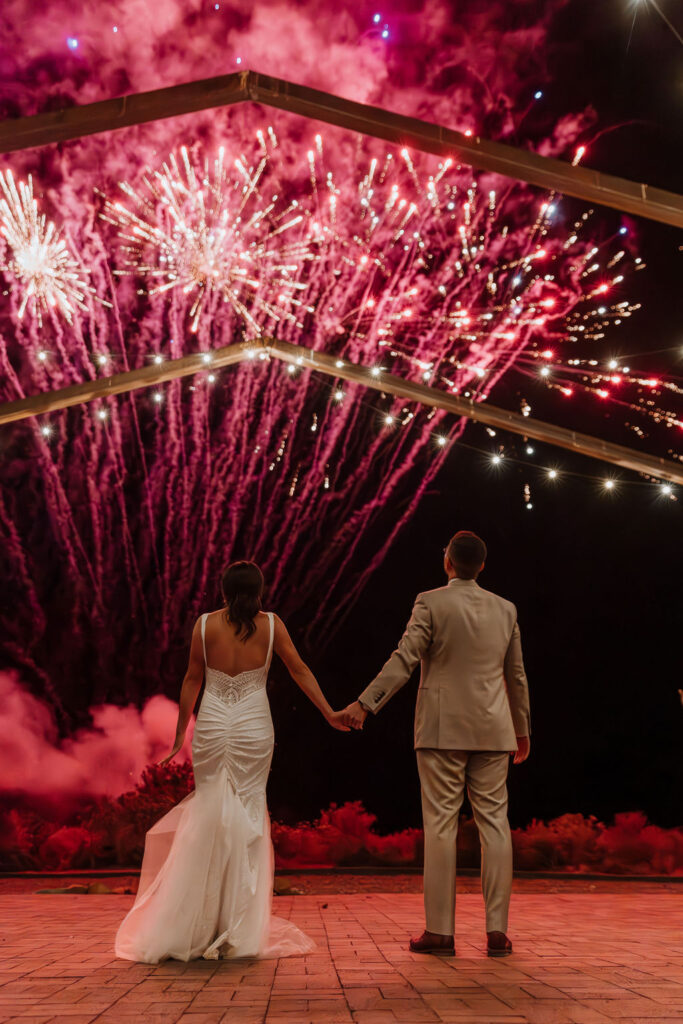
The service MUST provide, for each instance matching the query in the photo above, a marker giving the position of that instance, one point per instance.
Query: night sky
(596, 577)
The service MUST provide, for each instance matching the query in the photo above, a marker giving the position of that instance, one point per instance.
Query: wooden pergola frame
(332, 366)
(250, 86)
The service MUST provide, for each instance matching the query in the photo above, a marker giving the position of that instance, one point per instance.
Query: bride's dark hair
(242, 586)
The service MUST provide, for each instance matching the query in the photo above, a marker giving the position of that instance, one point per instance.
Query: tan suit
(472, 703)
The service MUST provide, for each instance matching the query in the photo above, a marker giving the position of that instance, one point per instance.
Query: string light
(497, 459)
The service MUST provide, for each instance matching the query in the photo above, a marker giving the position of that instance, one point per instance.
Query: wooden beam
(107, 115)
(510, 161)
(522, 165)
(103, 387)
(481, 412)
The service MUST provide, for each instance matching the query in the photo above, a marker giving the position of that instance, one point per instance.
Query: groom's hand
(354, 715)
(523, 748)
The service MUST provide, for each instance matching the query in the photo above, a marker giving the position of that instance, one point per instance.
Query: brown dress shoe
(498, 944)
(430, 942)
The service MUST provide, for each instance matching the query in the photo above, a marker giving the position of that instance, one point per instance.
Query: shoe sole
(433, 952)
(498, 952)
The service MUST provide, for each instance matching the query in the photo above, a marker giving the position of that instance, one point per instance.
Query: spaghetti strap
(272, 637)
(204, 618)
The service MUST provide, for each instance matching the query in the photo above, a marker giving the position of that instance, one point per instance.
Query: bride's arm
(190, 688)
(302, 675)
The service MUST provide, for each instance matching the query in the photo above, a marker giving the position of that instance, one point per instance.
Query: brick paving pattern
(580, 958)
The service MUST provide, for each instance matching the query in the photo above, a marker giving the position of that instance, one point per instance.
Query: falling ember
(47, 274)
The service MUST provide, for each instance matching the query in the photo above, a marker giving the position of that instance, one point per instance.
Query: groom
(472, 712)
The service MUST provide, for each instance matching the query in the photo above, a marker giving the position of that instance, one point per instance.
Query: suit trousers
(443, 777)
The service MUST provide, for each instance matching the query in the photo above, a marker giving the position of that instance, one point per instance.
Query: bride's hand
(336, 721)
(179, 740)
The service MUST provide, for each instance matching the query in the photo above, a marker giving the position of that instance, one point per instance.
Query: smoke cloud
(104, 759)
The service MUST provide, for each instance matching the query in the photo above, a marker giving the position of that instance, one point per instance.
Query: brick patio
(580, 959)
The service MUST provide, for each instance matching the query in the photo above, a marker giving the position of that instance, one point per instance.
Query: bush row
(111, 832)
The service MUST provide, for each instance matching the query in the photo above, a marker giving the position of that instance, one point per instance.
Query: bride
(207, 875)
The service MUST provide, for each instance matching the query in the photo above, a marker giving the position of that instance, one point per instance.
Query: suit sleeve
(399, 668)
(517, 686)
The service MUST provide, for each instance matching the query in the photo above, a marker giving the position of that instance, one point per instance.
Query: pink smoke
(104, 759)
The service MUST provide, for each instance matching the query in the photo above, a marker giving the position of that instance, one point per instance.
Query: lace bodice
(231, 689)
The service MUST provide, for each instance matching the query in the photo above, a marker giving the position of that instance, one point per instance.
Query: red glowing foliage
(111, 832)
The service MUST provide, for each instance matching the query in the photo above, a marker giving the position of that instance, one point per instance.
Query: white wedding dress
(207, 876)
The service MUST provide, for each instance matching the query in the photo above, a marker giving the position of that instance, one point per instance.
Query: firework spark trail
(188, 480)
(186, 484)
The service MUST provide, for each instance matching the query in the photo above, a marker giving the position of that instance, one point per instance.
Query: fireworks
(48, 275)
(423, 270)
(394, 261)
(207, 234)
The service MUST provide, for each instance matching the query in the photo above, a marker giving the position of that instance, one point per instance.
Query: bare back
(226, 653)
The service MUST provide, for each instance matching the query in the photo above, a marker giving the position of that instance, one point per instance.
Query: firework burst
(212, 232)
(48, 275)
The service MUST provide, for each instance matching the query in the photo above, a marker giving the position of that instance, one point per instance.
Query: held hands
(336, 720)
(522, 751)
(179, 740)
(354, 715)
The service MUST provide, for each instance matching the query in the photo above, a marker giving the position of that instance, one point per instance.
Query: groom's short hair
(466, 553)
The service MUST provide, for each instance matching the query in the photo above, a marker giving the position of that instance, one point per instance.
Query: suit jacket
(473, 689)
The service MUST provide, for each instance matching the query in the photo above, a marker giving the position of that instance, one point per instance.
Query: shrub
(108, 832)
